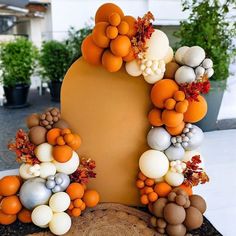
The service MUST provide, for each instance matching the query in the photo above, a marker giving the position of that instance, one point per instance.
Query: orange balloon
(25, 216)
(172, 118)
(170, 103)
(132, 29)
(111, 32)
(123, 27)
(99, 35)
(75, 190)
(105, 10)
(162, 189)
(130, 56)
(60, 141)
(9, 185)
(76, 212)
(163, 90)
(52, 135)
(152, 197)
(196, 110)
(65, 131)
(91, 198)
(181, 107)
(111, 62)
(179, 96)
(114, 19)
(6, 219)
(91, 52)
(144, 199)
(62, 153)
(176, 130)
(120, 46)
(11, 205)
(77, 202)
(76, 142)
(187, 189)
(154, 117)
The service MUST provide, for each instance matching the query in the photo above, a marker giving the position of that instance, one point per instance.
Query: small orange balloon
(170, 103)
(99, 35)
(140, 184)
(120, 46)
(77, 203)
(162, 189)
(89, 46)
(187, 189)
(149, 182)
(111, 62)
(91, 198)
(65, 131)
(123, 27)
(176, 130)
(62, 153)
(76, 142)
(172, 118)
(154, 117)
(181, 107)
(132, 29)
(114, 19)
(24, 216)
(75, 190)
(60, 141)
(52, 135)
(9, 185)
(144, 199)
(6, 219)
(141, 176)
(152, 197)
(76, 212)
(111, 32)
(11, 205)
(179, 96)
(130, 56)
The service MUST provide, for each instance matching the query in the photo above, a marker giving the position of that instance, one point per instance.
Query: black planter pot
(16, 96)
(214, 99)
(55, 90)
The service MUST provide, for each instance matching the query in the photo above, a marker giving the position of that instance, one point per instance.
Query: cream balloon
(194, 56)
(154, 164)
(133, 68)
(169, 56)
(180, 53)
(157, 45)
(189, 154)
(44, 152)
(60, 223)
(68, 167)
(152, 79)
(46, 169)
(24, 171)
(59, 202)
(42, 215)
(174, 179)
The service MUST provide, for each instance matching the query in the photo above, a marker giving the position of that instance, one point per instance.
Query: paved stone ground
(13, 119)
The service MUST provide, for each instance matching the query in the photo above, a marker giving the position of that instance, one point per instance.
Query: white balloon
(194, 56)
(169, 56)
(24, 171)
(174, 179)
(68, 167)
(133, 68)
(46, 169)
(152, 79)
(180, 53)
(60, 223)
(59, 202)
(189, 154)
(157, 45)
(207, 63)
(154, 164)
(44, 152)
(209, 72)
(42, 215)
(185, 74)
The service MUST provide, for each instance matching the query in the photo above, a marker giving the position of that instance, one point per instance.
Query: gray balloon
(174, 153)
(196, 140)
(65, 180)
(34, 193)
(59, 183)
(158, 138)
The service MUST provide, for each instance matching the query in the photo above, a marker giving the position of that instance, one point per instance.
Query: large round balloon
(157, 45)
(158, 139)
(34, 193)
(59, 202)
(44, 152)
(179, 54)
(42, 215)
(133, 68)
(60, 223)
(194, 56)
(185, 74)
(174, 153)
(68, 167)
(154, 164)
(174, 179)
(46, 169)
(24, 171)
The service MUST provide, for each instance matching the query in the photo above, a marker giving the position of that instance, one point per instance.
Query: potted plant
(209, 26)
(17, 63)
(54, 59)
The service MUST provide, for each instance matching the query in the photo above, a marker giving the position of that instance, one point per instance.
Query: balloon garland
(168, 170)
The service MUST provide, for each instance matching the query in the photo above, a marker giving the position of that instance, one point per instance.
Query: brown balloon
(61, 124)
(194, 218)
(32, 120)
(174, 214)
(37, 135)
(158, 207)
(176, 230)
(198, 202)
(171, 68)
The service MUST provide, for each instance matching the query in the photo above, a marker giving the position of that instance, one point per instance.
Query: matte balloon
(169, 56)
(174, 179)
(68, 167)
(59, 202)
(34, 193)
(44, 152)
(158, 139)
(180, 53)
(42, 215)
(46, 169)
(133, 68)
(152, 79)
(196, 140)
(24, 171)
(174, 153)
(154, 164)
(60, 223)
(157, 45)
(185, 74)
(194, 56)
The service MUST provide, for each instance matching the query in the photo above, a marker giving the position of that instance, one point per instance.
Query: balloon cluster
(45, 193)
